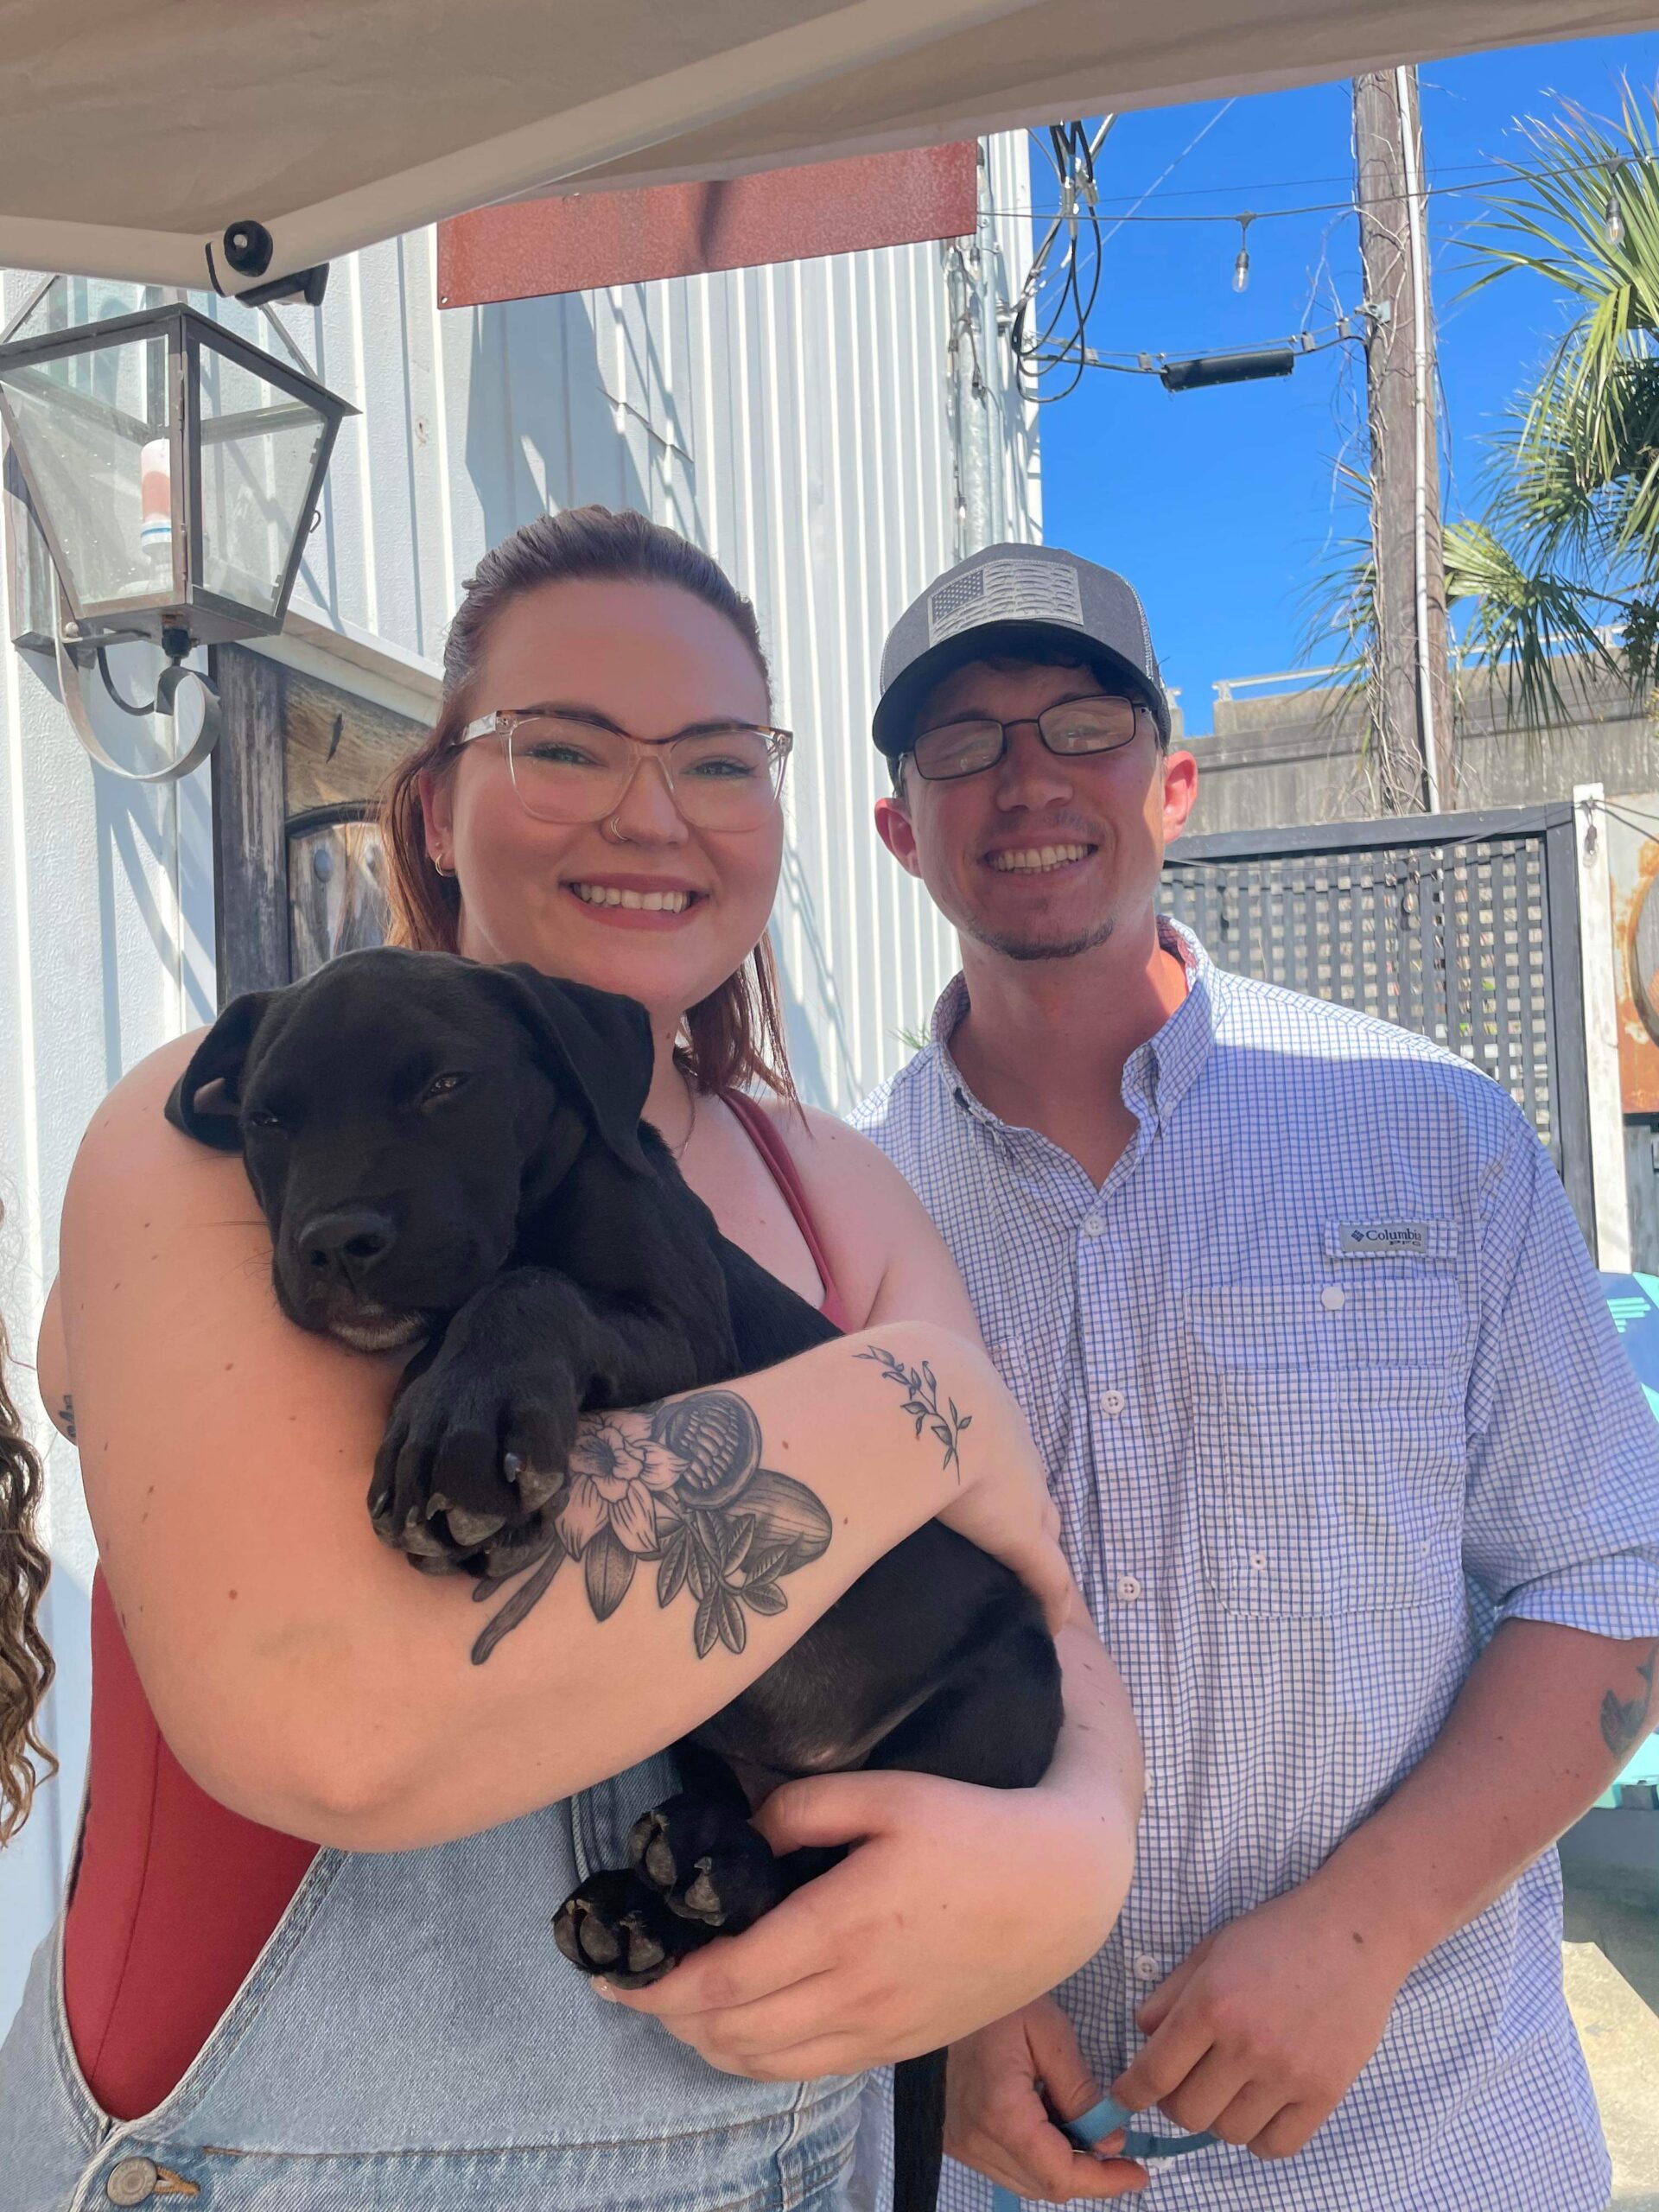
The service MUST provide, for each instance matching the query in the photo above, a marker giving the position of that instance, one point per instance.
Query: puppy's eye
(441, 1086)
(261, 1119)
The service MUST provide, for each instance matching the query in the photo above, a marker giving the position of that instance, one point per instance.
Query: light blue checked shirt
(1325, 1384)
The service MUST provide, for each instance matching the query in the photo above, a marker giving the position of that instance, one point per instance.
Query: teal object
(1633, 1301)
(1089, 2128)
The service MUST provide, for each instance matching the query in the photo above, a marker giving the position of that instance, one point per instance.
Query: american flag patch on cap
(1006, 591)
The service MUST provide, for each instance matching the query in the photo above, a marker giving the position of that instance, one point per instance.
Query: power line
(1343, 331)
(1071, 154)
(1047, 330)
(1489, 168)
(1192, 142)
(1520, 173)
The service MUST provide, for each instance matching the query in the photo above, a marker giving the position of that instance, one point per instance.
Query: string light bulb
(1613, 217)
(1242, 266)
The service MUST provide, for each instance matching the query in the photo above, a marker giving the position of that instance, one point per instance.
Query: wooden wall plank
(337, 746)
(250, 825)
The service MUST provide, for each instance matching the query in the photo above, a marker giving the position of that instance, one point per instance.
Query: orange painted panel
(579, 241)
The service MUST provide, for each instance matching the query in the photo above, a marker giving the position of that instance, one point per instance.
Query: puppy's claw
(586, 1940)
(419, 1540)
(702, 1897)
(650, 1852)
(472, 1529)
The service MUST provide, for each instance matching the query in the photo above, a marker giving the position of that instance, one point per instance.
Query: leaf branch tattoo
(681, 1484)
(921, 1390)
(1624, 1720)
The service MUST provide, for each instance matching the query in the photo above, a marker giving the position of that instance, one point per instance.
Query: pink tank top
(173, 1897)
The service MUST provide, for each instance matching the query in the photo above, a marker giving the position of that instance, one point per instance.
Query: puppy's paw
(706, 1862)
(613, 1925)
(474, 1454)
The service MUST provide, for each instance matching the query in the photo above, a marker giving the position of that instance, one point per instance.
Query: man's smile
(1037, 860)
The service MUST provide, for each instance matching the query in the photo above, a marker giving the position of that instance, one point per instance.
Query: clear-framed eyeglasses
(722, 776)
(1077, 727)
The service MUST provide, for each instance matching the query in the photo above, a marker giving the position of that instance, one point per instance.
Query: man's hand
(1004, 2082)
(956, 1905)
(1260, 2032)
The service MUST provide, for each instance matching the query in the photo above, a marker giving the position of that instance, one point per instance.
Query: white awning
(133, 133)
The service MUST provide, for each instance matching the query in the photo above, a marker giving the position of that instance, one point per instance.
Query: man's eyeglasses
(1100, 723)
(725, 777)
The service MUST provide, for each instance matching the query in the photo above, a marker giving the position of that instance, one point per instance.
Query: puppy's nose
(343, 1246)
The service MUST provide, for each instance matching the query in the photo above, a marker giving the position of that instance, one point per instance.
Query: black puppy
(453, 1155)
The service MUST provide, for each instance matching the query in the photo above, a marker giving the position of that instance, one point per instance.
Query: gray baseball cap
(1008, 595)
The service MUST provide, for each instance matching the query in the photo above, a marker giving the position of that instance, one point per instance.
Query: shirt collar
(1157, 1075)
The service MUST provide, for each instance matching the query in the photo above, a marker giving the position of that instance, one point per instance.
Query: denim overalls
(410, 2040)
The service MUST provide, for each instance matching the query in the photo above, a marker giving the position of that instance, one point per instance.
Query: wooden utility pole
(1411, 695)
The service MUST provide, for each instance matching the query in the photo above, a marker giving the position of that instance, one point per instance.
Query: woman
(407, 2035)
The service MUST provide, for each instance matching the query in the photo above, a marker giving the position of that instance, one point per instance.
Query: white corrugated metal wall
(811, 424)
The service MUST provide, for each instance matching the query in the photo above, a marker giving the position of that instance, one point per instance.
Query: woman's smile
(636, 902)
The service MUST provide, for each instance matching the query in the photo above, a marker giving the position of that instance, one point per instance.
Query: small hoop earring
(439, 869)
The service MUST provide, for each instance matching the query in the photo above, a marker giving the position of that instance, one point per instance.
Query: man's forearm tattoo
(680, 1486)
(67, 1417)
(921, 1391)
(1624, 1720)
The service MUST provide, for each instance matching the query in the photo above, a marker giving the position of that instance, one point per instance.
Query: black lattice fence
(1463, 927)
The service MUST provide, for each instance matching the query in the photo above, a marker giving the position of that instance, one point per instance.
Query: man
(1304, 1327)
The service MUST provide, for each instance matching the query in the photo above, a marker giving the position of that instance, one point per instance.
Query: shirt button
(1094, 1226)
(1259, 1562)
(132, 2181)
(1332, 1298)
(1129, 1587)
(1112, 1402)
(1147, 1968)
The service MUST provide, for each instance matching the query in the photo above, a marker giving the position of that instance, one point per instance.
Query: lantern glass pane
(259, 452)
(72, 302)
(91, 431)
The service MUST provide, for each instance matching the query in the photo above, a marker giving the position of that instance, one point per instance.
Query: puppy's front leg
(480, 1434)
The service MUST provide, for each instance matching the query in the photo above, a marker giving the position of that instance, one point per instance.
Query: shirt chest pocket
(1332, 1466)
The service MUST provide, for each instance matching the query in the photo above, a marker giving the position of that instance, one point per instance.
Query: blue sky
(1218, 504)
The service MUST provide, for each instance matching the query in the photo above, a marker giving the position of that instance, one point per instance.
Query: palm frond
(1338, 602)
(1530, 622)
(1569, 543)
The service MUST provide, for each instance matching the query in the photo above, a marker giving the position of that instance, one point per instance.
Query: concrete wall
(1300, 756)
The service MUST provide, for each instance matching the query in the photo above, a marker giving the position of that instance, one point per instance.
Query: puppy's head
(399, 1113)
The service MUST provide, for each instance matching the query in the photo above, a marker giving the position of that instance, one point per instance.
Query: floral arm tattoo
(921, 1391)
(1624, 1720)
(682, 1486)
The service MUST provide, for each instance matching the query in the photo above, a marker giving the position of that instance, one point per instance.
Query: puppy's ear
(599, 1044)
(207, 1095)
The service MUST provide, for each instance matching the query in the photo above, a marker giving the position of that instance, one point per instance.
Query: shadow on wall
(540, 434)
(813, 1017)
(153, 848)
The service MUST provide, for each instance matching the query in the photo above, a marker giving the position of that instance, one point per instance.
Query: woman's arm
(52, 1367)
(304, 1675)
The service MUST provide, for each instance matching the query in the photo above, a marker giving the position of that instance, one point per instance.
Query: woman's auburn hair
(733, 1038)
